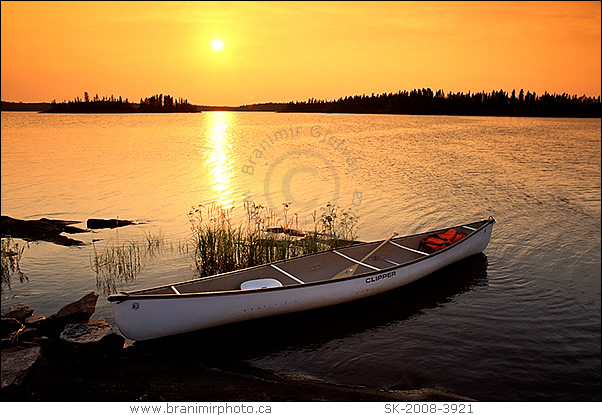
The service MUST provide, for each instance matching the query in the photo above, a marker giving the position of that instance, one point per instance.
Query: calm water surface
(520, 322)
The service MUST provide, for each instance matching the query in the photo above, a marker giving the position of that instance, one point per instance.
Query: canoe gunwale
(140, 295)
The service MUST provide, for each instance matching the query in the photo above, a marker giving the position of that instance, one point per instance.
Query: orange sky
(293, 51)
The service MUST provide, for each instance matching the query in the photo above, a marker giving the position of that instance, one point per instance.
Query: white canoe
(298, 284)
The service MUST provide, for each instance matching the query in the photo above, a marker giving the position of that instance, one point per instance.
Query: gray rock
(108, 223)
(34, 320)
(93, 337)
(32, 334)
(9, 326)
(79, 311)
(19, 311)
(41, 229)
(17, 363)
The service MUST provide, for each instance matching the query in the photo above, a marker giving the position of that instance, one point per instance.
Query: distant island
(426, 102)
(155, 103)
(416, 102)
(24, 106)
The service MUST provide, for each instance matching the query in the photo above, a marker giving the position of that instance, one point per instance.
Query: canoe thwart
(288, 274)
(408, 249)
(356, 261)
(351, 270)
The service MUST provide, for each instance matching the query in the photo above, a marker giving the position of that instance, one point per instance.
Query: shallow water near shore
(521, 322)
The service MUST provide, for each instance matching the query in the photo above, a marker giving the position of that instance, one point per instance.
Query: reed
(340, 228)
(10, 259)
(220, 247)
(114, 264)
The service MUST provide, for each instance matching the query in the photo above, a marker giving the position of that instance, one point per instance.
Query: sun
(217, 45)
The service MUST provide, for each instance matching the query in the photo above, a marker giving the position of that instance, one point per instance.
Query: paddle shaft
(347, 272)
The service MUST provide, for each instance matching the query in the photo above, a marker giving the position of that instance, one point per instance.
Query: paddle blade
(346, 272)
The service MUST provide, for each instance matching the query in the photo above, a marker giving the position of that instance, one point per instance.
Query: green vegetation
(221, 247)
(218, 246)
(122, 262)
(11, 256)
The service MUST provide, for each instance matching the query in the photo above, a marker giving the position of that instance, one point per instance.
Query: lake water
(521, 322)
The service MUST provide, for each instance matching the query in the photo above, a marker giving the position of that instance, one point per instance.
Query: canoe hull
(141, 318)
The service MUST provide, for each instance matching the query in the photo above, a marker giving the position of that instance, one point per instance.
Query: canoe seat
(260, 283)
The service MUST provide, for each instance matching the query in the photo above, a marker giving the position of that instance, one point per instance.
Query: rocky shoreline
(68, 357)
(51, 230)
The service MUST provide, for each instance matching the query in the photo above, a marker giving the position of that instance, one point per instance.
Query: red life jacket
(443, 240)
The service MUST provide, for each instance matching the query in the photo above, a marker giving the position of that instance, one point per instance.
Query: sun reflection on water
(219, 140)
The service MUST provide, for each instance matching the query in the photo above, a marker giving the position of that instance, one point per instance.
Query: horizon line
(331, 100)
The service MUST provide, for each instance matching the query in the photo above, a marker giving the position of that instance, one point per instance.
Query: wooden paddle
(347, 272)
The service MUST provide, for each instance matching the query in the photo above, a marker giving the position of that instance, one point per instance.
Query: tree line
(425, 101)
(155, 103)
(165, 103)
(417, 101)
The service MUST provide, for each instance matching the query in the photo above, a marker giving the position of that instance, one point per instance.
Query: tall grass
(120, 263)
(115, 264)
(220, 246)
(10, 259)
